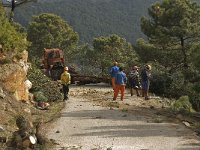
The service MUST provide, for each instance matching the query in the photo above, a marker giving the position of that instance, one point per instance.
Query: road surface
(85, 125)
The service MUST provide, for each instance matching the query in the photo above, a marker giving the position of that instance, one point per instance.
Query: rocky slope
(14, 92)
(13, 76)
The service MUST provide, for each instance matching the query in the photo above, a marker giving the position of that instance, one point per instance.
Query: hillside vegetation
(92, 18)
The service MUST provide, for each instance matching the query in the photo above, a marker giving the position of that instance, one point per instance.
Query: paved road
(84, 125)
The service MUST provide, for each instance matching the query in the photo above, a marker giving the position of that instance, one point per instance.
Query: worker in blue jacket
(120, 81)
(113, 72)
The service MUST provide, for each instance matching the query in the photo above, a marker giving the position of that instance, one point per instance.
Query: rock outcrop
(13, 77)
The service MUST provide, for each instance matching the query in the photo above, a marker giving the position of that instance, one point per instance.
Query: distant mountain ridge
(92, 18)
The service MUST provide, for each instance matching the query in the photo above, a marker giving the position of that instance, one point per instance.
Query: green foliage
(183, 103)
(195, 100)
(170, 85)
(196, 55)
(177, 87)
(160, 83)
(99, 58)
(197, 125)
(172, 29)
(149, 52)
(174, 85)
(194, 76)
(39, 97)
(42, 84)
(196, 87)
(85, 58)
(173, 33)
(51, 31)
(10, 38)
(112, 48)
(146, 52)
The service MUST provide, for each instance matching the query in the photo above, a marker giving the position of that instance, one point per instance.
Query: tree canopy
(172, 29)
(112, 48)
(173, 34)
(51, 31)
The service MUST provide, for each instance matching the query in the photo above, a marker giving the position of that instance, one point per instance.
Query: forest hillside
(92, 18)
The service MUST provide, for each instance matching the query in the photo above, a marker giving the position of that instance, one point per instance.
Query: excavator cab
(53, 62)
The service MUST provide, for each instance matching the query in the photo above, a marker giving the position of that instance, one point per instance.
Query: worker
(145, 76)
(134, 80)
(113, 72)
(66, 81)
(120, 80)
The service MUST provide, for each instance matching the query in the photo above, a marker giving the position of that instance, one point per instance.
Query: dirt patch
(103, 96)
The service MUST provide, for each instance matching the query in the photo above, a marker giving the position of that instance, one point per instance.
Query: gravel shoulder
(86, 124)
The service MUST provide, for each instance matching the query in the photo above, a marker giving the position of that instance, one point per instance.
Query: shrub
(195, 100)
(183, 103)
(160, 83)
(40, 97)
(49, 88)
